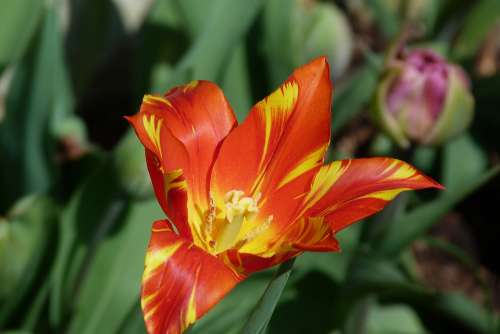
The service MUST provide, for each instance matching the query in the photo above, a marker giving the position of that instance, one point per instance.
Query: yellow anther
(238, 208)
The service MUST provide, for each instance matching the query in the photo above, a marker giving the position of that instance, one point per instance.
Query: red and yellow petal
(181, 282)
(199, 117)
(346, 191)
(284, 137)
(171, 191)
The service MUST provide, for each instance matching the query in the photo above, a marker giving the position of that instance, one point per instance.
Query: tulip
(243, 198)
(424, 99)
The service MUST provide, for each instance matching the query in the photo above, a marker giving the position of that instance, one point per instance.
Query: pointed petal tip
(436, 185)
(128, 118)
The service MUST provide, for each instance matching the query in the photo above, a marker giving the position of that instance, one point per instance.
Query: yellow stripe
(308, 163)
(279, 104)
(151, 99)
(323, 181)
(148, 299)
(386, 195)
(150, 313)
(191, 309)
(190, 86)
(158, 257)
(153, 130)
(401, 172)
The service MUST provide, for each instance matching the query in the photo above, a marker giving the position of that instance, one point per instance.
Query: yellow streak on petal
(308, 163)
(150, 312)
(151, 99)
(400, 171)
(323, 181)
(385, 195)
(190, 86)
(157, 257)
(153, 130)
(279, 104)
(170, 183)
(148, 299)
(191, 309)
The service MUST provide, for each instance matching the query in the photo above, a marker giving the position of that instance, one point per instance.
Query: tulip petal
(199, 116)
(346, 191)
(183, 130)
(284, 137)
(181, 282)
(171, 191)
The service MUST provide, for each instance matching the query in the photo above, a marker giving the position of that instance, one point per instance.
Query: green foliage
(76, 203)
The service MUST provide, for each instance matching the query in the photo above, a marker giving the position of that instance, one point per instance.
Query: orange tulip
(242, 198)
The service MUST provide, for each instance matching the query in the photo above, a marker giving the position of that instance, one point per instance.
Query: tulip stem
(261, 314)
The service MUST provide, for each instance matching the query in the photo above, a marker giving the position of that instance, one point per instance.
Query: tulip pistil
(237, 208)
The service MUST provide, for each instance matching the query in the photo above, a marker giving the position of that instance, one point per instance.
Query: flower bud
(132, 171)
(322, 29)
(424, 99)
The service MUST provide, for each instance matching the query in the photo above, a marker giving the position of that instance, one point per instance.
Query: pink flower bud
(415, 94)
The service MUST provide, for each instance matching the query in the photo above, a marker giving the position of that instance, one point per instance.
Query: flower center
(237, 209)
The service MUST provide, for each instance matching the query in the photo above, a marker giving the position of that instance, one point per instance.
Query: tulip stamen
(252, 234)
(238, 209)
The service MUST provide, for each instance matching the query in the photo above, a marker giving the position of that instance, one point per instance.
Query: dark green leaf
(24, 237)
(26, 146)
(112, 283)
(221, 36)
(19, 19)
(93, 208)
(476, 26)
(263, 311)
(235, 83)
(352, 95)
(463, 160)
(415, 223)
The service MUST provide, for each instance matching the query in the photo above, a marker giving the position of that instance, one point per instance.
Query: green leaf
(236, 83)
(24, 238)
(194, 14)
(25, 144)
(277, 26)
(19, 19)
(261, 315)
(463, 161)
(393, 319)
(95, 30)
(464, 311)
(221, 35)
(371, 274)
(111, 286)
(415, 223)
(479, 20)
(352, 95)
(387, 17)
(134, 322)
(93, 208)
(335, 265)
(229, 315)
(306, 305)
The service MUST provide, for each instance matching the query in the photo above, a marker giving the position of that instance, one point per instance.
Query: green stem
(261, 314)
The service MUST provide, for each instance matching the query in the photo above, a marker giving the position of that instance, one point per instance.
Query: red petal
(171, 192)
(199, 117)
(346, 191)
(283, 138)
(183, 130)
(181, 282)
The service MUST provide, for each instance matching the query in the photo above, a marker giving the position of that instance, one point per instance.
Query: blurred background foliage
(76, 204)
